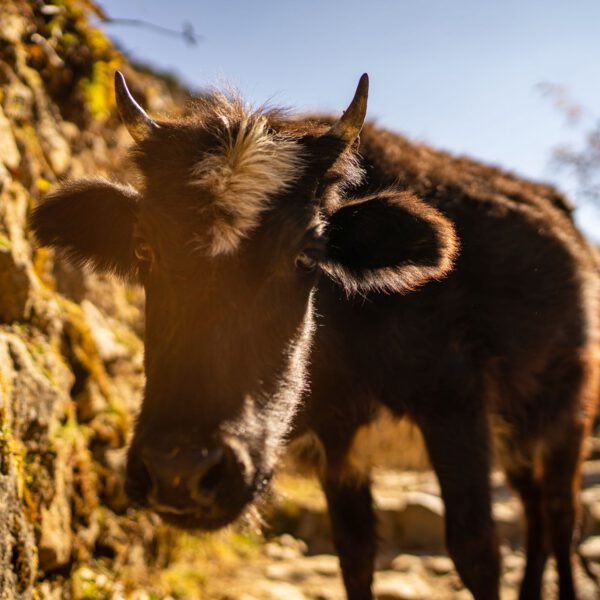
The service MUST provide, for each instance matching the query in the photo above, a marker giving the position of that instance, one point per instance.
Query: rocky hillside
(70, 355)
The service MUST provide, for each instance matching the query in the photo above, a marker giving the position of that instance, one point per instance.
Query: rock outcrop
(70, 353)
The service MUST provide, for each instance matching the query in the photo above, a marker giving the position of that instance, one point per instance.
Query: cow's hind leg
(574, 387)
(575, 382)
(519, 461)
(561, 482)
(458, 446)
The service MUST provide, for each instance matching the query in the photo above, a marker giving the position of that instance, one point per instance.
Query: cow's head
(235, 215)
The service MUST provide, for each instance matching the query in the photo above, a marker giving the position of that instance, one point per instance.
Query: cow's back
(522, 295)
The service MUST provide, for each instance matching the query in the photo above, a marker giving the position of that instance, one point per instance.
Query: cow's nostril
(206, 482)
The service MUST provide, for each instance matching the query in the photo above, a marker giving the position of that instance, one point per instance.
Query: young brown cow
(256, 236)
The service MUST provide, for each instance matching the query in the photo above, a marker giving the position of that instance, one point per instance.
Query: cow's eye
(305, 262)
(308, 260)
(143, 252)
(313, 251)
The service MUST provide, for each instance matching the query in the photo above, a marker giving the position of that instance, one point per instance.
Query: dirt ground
(300, 565)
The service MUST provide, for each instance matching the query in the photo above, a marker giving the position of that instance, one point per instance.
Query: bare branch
(562, 101)
(581, 161)
(187, 32)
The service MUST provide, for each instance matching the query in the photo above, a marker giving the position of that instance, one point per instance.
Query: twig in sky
(187, 32)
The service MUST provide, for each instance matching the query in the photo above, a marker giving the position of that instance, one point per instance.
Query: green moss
(92, 583)
(84, 346)
(131, 294)
(5, 242)
(198, 560)
(183, 581)
(98, 89)
(38, 351)
(43, 185)
(70, 431)
(5, 392)
(5, 458)
(12, 454)
(128, 339)
(27, 137)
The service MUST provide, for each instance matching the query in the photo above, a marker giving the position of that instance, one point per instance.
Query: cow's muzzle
(203, 487)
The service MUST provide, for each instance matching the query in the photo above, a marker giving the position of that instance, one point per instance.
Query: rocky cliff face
(70, 355)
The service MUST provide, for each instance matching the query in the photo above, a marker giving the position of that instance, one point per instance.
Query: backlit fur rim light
(408, 276)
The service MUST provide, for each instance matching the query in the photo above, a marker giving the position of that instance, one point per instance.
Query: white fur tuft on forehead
(247, 168)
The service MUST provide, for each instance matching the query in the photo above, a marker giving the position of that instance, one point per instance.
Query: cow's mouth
(215, 517)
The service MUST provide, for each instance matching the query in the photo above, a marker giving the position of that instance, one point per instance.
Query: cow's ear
(92, 222)
(391, 242)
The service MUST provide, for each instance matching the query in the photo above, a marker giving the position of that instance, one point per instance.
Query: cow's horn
(134, 117)
(349, 125)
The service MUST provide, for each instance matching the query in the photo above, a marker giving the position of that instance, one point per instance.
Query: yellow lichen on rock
(70, 379)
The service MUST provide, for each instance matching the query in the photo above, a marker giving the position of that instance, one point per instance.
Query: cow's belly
(386, 442)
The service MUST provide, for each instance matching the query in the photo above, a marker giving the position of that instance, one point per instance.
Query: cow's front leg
(354, 533)
(458, 446)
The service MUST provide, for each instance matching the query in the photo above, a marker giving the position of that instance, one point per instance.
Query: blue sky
(461, 75)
